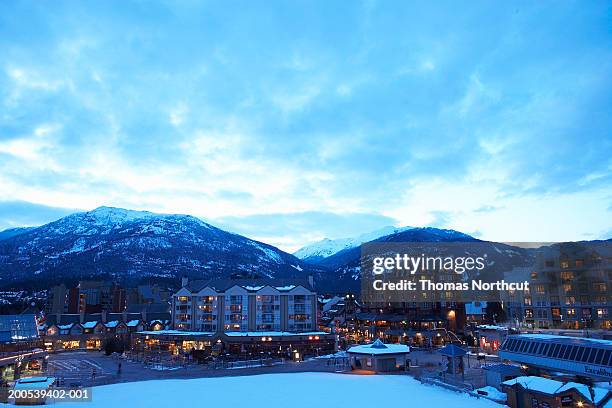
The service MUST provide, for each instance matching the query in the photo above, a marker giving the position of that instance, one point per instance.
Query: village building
(20, 347)
(379, 357)
(88, 331)
(540, 392)
(542, 354)
(242, 317)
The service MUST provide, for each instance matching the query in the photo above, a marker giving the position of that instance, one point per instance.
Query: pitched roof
(378, 347)
(90, 325)
(553, 387)
(249, 284)
(452, 351)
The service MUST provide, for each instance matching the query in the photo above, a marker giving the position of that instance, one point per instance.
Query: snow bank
(301, 390)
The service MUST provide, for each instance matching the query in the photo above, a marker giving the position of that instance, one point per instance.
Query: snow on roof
(90, 325)
(599, 393)
(64, 326)
(284, 288)
(279, 288)
(552, 387)
(569, 339)
(114, 323)
(34, 382)
(133, 323)
(255, 288)
(378, 347)
(541, 384)
(160, 321)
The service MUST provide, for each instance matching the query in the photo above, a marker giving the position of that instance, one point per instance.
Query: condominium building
(569, 288)
(252, 318)
(239, 305)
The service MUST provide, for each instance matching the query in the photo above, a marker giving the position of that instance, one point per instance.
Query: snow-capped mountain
(124, 245)
(316, 252)
(345, 265)
(134, 246)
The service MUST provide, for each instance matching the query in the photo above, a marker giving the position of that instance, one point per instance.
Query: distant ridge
(129, 246)
(318, 251)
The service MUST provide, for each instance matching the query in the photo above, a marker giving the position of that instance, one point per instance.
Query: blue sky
(293, 121)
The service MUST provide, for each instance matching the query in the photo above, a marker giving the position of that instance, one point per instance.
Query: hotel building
(243, 316)
(569, 288)
(245, 306)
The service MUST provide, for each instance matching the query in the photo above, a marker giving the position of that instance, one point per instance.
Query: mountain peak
(118, 214)
(328, 247)
(129, 246)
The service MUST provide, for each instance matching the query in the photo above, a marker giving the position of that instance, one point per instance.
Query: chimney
(184, 281)
(103, 316)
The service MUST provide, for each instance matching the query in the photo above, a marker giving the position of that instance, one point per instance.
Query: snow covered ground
(300, 390)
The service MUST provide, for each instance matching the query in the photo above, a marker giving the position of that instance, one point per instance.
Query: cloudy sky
(293, 121)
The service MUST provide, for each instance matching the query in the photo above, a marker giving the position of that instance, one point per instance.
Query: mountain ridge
(127, 246)
(319, 250)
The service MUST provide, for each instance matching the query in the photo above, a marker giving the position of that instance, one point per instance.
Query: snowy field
(301, 390)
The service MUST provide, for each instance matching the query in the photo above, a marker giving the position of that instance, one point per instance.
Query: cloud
(487, 208)
(20, 214)
(287, 111)
(291, 230)
(440, 219)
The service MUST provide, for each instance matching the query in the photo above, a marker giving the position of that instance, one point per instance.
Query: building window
(571, 312)
(540, 289)
(600, 287)
(534, 275)
(564, 264)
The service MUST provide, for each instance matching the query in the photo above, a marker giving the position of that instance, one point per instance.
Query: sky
(289, 122)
